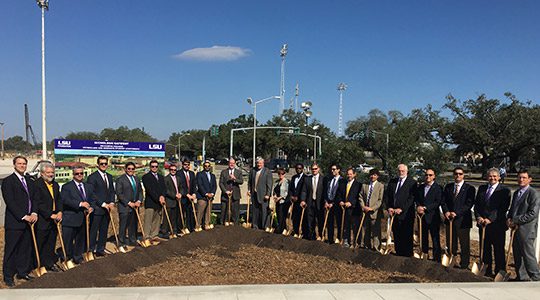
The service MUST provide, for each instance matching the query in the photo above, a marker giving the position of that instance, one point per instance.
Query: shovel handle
(59, 229)
(360, 228)
(35, 244)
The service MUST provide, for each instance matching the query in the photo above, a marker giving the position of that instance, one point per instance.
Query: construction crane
(29, 130)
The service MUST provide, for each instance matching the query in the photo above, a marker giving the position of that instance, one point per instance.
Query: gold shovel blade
(447, 260)
(88, 256)
(38, 272)
(122, 249)
(476, 269)
(144, 243)
(502, 276)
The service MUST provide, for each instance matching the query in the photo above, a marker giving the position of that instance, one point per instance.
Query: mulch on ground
(231, 246)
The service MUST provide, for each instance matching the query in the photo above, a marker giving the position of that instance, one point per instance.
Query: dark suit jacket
(45, 204)
(432, 201)
(226, 183)
(204, 186)
(524, 212)
(264, 186)
(352, 197)
(153, 188)
(296, 191)
(192, 183)
(73, 214)
(307, 190)
(170, 190)
(328, 182)
(16, 200)
(124, 192)
(495, 208)
(461, 205)
(405, 197)
(102, 192)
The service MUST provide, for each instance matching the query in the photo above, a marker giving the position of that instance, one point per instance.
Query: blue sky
(112, 63)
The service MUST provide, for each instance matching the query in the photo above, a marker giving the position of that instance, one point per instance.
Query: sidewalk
(462, 291)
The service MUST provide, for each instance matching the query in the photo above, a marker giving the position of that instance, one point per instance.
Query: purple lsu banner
(108, 148)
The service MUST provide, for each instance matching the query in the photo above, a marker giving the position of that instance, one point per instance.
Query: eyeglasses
(130, 169)
(103, 164)
(78, 173)
(314, 168)
(458, 174)
(153, 166)
(172, 170)
(334, 169)
(430, 175)
(185, 164)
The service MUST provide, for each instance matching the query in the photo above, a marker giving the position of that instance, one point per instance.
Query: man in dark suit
(312, 198)
(154, 187)
(458, 199)
(230, 180)
(400, 203)
(259, 191)
(331, 191)
(102, 183)
(129, 195)
(296, 185)
(347, 198)
(21, 210)
(490, 208)
(172, 196)
(49, 212)
(189, 192)
(523, 217)
(76, 198)
(206, 190)
(428, 201)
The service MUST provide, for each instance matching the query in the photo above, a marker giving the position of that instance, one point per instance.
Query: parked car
(364, 168)
(275, 163)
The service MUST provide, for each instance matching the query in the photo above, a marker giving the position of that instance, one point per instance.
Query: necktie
(156, 176)
(456, 190)
(397, 191)
(257, 175)
(331, 188)
(348, 189)
(106, 181)
(208, 176)
(426, 190)
(369, 193)
(174, 182)
(27, 193)
(488, 193)
(187, 180)
(133, 186)
(314, 183)
(81, 190)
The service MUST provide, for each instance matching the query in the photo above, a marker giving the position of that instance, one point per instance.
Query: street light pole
(2, 125)
(254, 103)
(44, 5)
(179, 137)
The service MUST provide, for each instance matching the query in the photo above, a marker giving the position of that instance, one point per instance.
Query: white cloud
(214, 53)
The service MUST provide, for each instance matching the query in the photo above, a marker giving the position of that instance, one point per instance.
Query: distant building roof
(70, 164)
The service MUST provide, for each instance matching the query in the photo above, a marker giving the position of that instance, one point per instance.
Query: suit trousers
(313, 220)
(494, 241)
(297, 212)
(235, 211)
(525, 258)
(128, 223)
(98, 231)
(403, 235)
(260, 212)
(282, 210)
(356, 217)
(463, 236)
(203, 210)
(75, 241)
(189, 217)
(333, 217)
(46, 240)
(18, 250)
(434, 231)
(371, 234)
(152, 222)
(165, 229)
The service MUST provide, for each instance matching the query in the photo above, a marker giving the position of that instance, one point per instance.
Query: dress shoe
(100, 254)
(132, 243)
(346, 244)
(26, 277)
(9, 283)
(53, 268)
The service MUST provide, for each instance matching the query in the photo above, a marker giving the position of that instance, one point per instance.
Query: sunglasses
(130, 169)
(430, 175)
(78, 173)
(334, 169)
(314, 168)
(153, 166)
(458, 174)
(103, 164)
(172, 170)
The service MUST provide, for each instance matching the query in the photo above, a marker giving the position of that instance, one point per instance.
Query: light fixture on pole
(306, 106)
(341, 87)
(179, 137)
(315, 128)
(283, 53)
(44, 5)
(254, 104)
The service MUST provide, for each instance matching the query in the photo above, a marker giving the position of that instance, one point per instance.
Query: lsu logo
(155, 147)
(64, 143)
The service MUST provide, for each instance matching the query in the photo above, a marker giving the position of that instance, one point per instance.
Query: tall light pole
(254, 104)
(179, 137)
(283, 54)
(315, 128)
(2, 125)
(44, 5)
(306, 106)
(341, 87)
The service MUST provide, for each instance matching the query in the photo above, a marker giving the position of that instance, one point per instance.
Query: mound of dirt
(235, 255)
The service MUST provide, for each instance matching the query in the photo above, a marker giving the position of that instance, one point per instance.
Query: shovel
(184, 229)
(420, 255)
(337, 241)
(144, 243)
(66, 264)
(39, 270)
(247, 224)
(503, 275)
(448, 258)
(171, 235)
(88, 255)
(197, 227)
(209, 214)
(389, 243)
(228, 222)
(289, 231)
(270, 228)
(324, 232)
(359, 230)
(299, 235)
(119, 248)
(479, 268)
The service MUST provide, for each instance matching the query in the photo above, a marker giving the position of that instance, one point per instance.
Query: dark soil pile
(188, 255)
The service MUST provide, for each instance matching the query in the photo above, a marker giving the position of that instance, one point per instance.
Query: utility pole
(341, 87)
